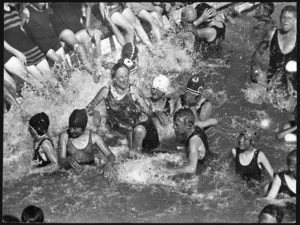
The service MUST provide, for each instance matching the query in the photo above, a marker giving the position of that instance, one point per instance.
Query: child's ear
(291, 167)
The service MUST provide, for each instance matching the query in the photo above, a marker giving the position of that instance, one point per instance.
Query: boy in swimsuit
(285, 181)
(194, 100)
(271, 214)
(77, 144)
(196, 143)
(248, 160)
(44, 155)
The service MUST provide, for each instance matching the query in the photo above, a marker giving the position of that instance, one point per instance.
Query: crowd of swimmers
(50, 32)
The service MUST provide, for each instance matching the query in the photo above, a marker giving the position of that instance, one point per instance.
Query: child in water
(285, 181)
(289, 128)
(271, 214)
(193, 99)
(198, 152)
(44, 156)
(248, 160)
(32, 214)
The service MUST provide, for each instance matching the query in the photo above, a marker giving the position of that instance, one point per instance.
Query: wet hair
(186, 113)
(32, 214)
(291, 158)
(201, 8)
(78, 118)
(10, 218)
(269, 7)
(289, 8)
(116, 67)
(273, 210)
(40, 123)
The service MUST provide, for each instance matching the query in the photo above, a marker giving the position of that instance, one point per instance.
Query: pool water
(139, 191)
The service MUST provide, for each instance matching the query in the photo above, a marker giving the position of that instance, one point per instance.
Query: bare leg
(139, 133)
(146, 16)
(16, 67)
(128, 14)
(123, 22)
(9, 79)
(158, 19)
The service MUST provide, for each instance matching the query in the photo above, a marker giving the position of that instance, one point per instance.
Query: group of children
(124, 107)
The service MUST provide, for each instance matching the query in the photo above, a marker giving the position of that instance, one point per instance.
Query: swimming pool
(139, 192)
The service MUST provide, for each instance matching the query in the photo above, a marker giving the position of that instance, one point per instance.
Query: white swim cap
(162, 83)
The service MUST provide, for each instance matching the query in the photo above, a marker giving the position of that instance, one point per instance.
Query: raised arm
(101, 95)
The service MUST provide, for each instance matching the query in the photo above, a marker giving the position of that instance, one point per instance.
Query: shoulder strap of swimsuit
(44, 140)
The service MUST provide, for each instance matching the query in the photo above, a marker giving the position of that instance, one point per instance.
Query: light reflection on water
(140, 192)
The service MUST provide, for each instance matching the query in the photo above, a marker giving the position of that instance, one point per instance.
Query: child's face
(157, 94)
(243, 141)
(180, 126)
(121, 79)
(266, 218)
(192, 98)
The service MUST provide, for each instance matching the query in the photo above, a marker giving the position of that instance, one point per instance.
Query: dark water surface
(139, 192)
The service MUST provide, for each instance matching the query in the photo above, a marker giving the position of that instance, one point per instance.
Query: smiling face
(288, 21)
(121, 79)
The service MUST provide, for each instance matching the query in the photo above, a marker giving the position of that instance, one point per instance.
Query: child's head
(248, 136)
(38, 124)
(265, 9)
(77, 123)
(271, 214)
(32, 214)
(194, 89)
(183, 120)
(188, 14)
(160, 86)
(292, 162)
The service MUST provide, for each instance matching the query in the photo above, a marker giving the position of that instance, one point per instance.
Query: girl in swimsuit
(44, 156)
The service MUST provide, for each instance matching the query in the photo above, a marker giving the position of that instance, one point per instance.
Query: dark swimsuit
(65, 15)
(278, 60)
(251, 171)
(40, 30)
(18, 39)
(37, 156)
(206, 47)
(284, 188)
(88, 149)
(126, 113)
(208, 154)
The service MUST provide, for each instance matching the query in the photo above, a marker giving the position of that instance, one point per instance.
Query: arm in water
(262, 159)
(257, 55)
(281, 134)
(48, 149)
(194, 144)
(275, 187)
(101, 95)
(108, 167)
(63, 160)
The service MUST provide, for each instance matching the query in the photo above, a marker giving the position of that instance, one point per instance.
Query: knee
(139, 131)
(130, 28)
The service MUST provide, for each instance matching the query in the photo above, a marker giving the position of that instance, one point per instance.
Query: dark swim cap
(195, 84)
(78, 118)
(40, 122)
(129, 51)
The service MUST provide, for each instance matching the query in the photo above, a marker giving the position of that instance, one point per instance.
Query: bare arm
(16, 52)
(205, 16)
(51, 155)
(63, 160)
(194, 143)
(101, 95)
(281, 134)
(266, 164)
(102, 8)
(24, 16)
(88, 13)
(97, 139)
(275, 187)
(141, 101)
